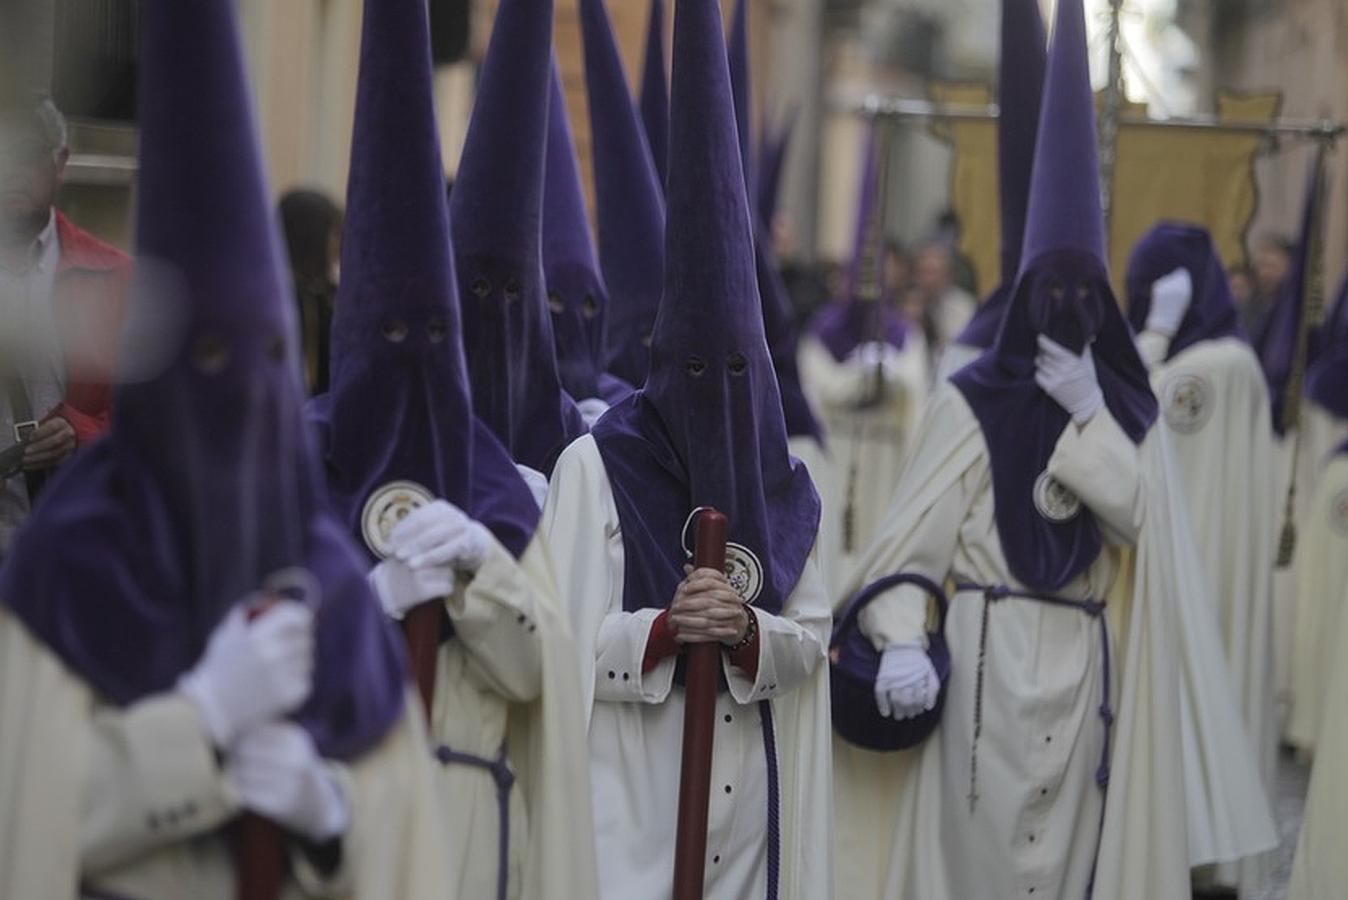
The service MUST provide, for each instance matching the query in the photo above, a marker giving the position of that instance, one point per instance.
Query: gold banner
(1199, 175)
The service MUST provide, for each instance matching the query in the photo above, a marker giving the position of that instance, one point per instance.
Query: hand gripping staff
(259, 860)
(699, 717)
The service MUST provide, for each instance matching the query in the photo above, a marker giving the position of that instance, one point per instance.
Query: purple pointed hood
(655, 92)
(779, 319)
(741, 81)
(1020, 85)
(496, 216)
(205, 486)
(629, 201)
(771, 164)
(864, 314)
(399, 407)
(1277, 342)
(577, 295)
(1327, 373)
(1062, 291)
(1174, 245)
(707, 428)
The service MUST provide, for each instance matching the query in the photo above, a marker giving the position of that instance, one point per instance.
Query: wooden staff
(259, 861)
(421, 631)
(699, 722)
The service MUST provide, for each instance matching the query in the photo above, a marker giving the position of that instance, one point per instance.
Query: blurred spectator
(1272, 259)
(313, 232)
(945, 306)
(62, 293)
(1242, 285)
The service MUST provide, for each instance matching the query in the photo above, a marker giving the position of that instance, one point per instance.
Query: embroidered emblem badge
(744, 570)
(386, 507)
(1187, 402)
(1054, 501)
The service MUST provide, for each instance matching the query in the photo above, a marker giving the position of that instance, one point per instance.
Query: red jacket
(89, 299)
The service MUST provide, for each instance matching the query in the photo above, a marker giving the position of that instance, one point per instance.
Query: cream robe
(866, 447)
(636, 719)
(130, 801)
(1038, 815)
(1214, 399)
(508, 679)
(955, 357)
(1303, 605)
(1320, 871)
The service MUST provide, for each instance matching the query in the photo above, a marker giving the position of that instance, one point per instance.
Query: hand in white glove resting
(277, 773)
(400, 587)
(1170, 299)
(439, 534)
(1069, 379)
(906, 685)
(253, 671)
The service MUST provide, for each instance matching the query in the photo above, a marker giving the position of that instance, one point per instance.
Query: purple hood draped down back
(577, 295)
(655, 92)
(205, 485)
(707, 428)
(1020, 85)
(779, 319)
(1327, 374)
(629, 200)
(399, 408)
(1276, 343)
(1062, 291)
(496, 215)
(1174, 245)
(845, 324)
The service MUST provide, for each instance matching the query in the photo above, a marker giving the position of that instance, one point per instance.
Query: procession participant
(655, 93)
(577, 295)
(149, 694)
(865, 370)
(445, 517)
(1081, 675)
(705, 430)
(629, 199)
(1320, 869)
(1324, 415)
(803, 431)
(1215, 403)
(312, 226)
(1305, 434)
(1020, 82)
(62, 297)
(496, 214)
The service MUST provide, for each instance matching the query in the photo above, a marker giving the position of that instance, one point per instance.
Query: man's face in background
(30, 174)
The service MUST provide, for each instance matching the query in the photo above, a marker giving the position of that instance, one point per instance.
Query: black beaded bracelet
(750, 631)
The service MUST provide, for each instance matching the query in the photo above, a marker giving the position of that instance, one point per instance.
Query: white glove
(440, 534)
(537, 482)
(1068, 379)
(878, 354)
(591, 408)
(400, 587)
(906, 685)
(253, 672)
(1170, 299)
(277, 773)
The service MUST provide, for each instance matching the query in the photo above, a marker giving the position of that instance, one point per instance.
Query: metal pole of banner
(1111, 111)
(910, 110)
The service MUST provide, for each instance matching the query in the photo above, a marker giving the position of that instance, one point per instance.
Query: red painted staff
(421, 631)
(699, 718)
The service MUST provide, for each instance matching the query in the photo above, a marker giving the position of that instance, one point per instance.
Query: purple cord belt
(499, 769)
(1093, 608)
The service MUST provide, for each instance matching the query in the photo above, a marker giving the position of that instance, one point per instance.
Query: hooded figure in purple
(779, 318)
(706, 429)
(496, 215)
(444, 514)
(654, 99)
(210, 618)
(1020, 83)
(1038, 487)
(629, 200)
(1327, 375)
(577, 295)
